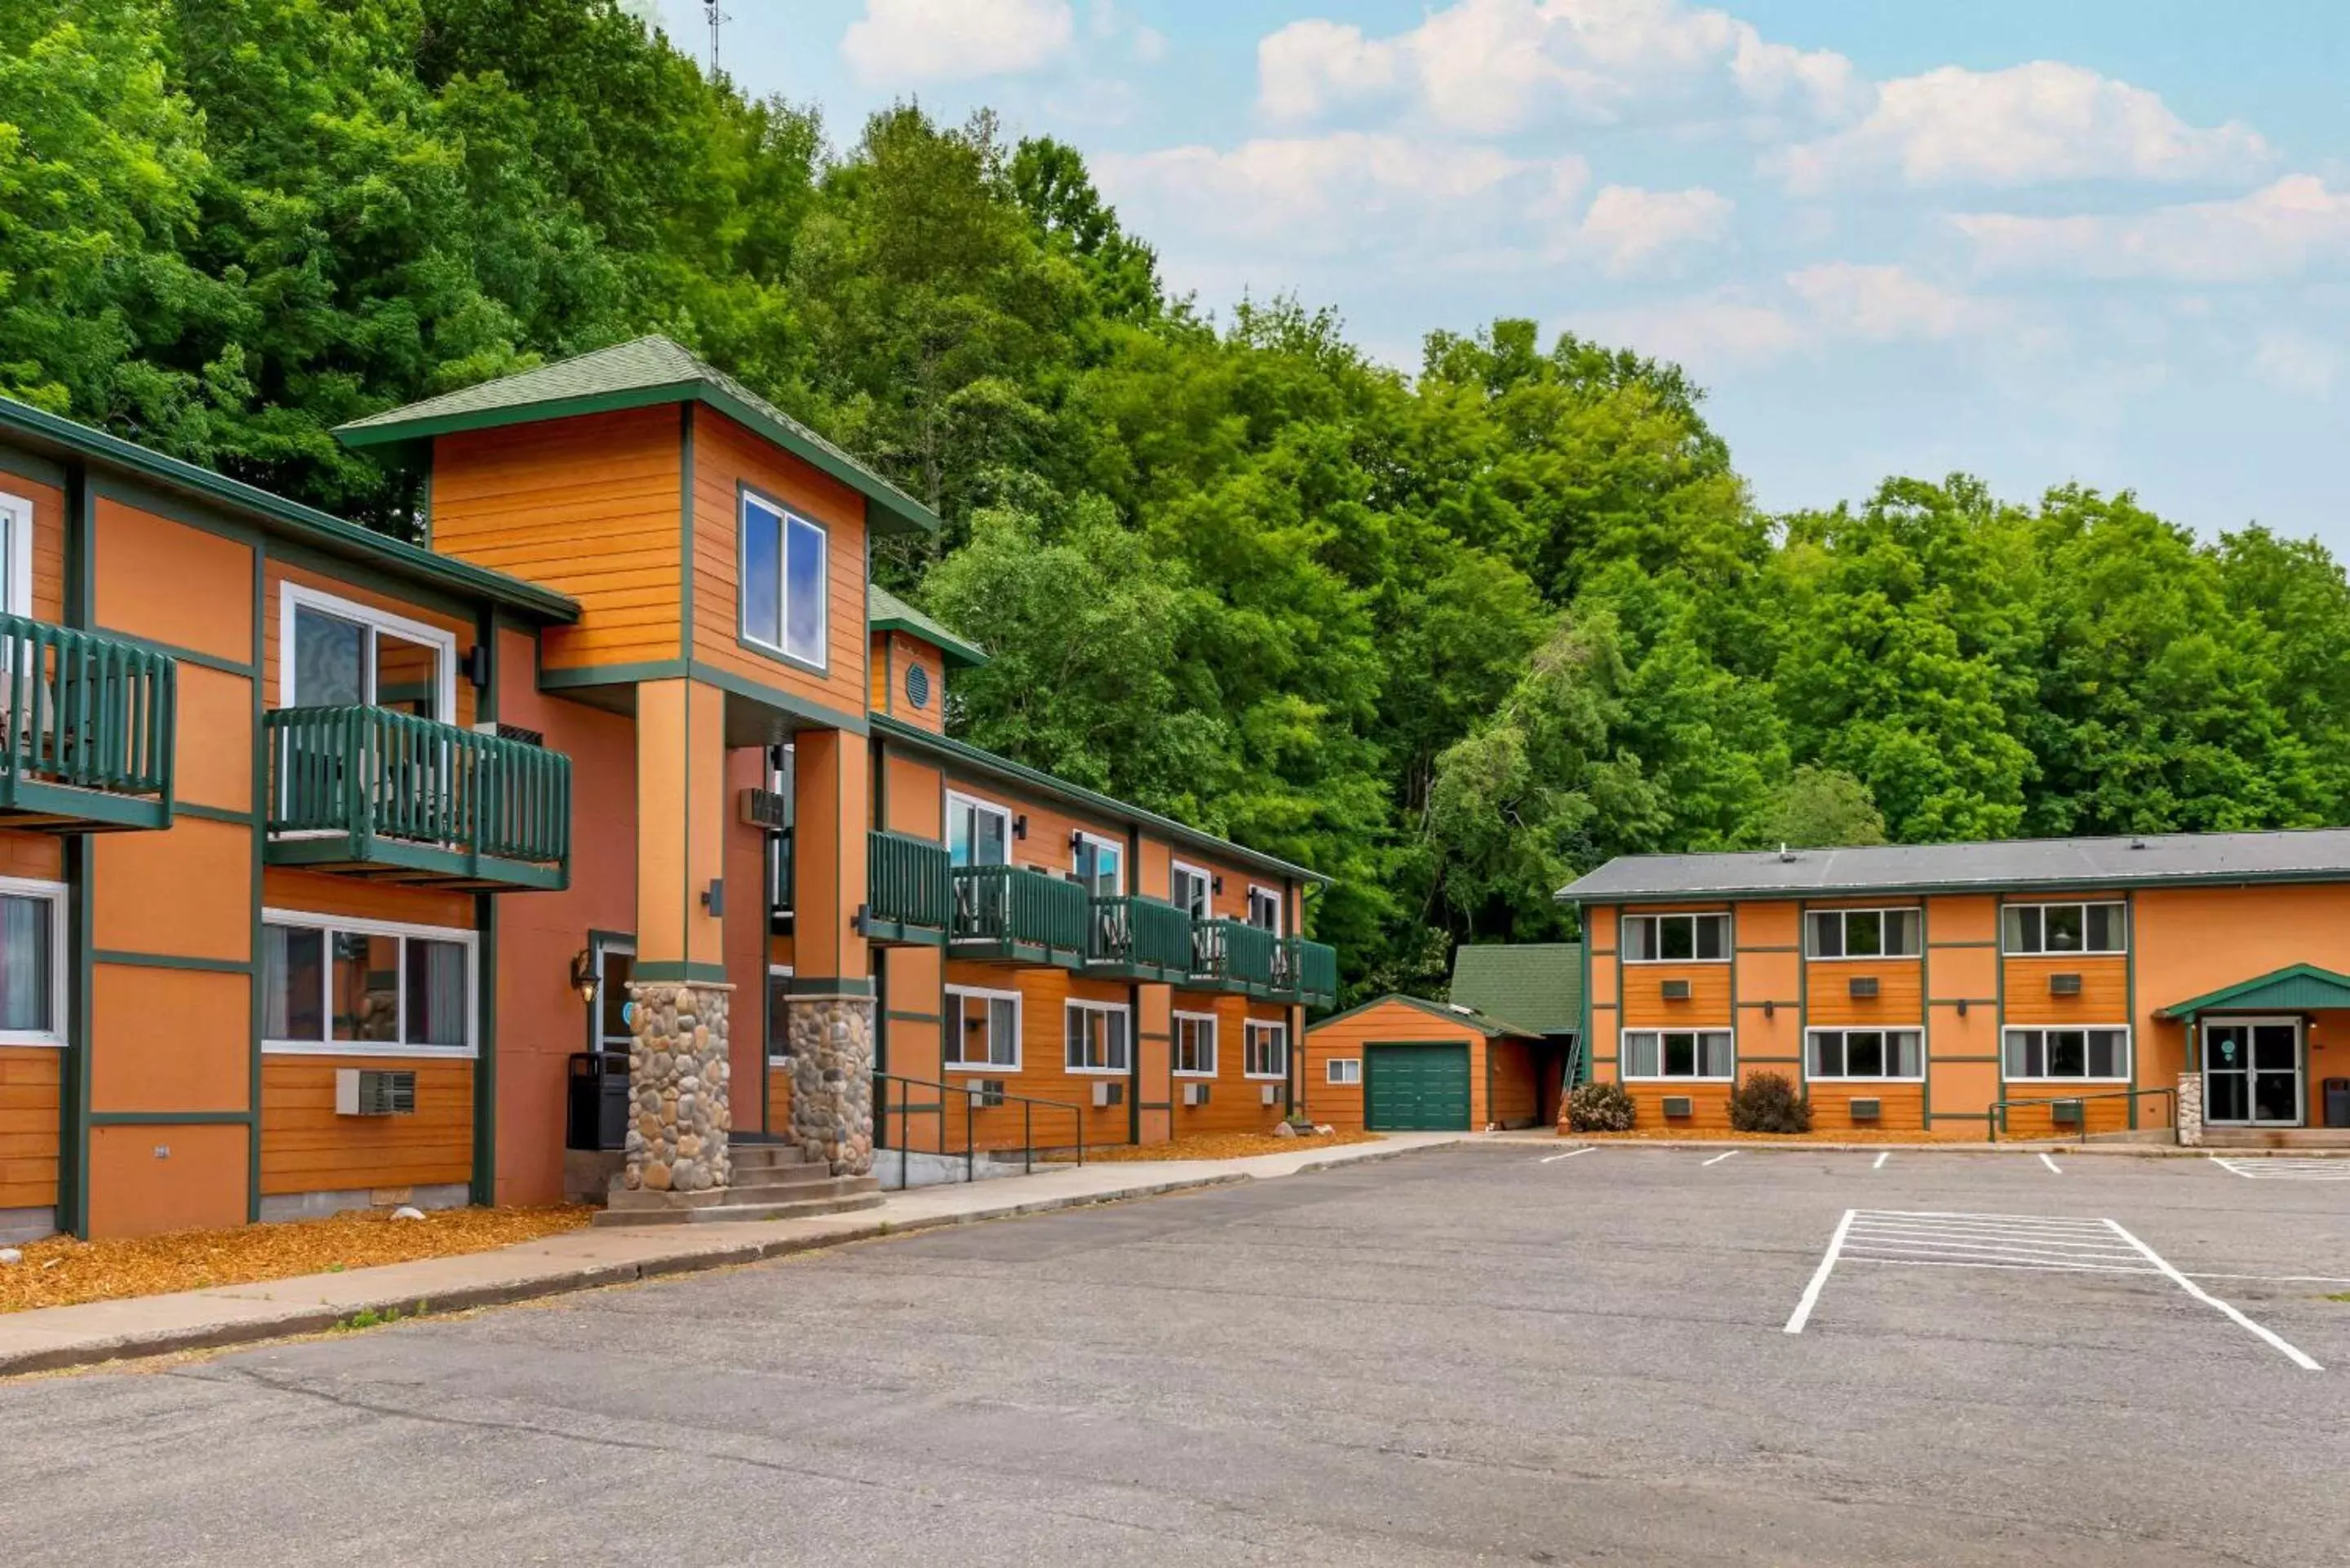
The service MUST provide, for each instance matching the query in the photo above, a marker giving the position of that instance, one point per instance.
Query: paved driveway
(1467, 1355)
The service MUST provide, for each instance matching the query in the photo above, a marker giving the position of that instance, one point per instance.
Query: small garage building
(1405, 1065)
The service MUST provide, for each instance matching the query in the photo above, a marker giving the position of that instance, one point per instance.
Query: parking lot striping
(2208, 1299)
(2285, 1169)
(1718, 1158)
(1820, 1275)
(1570, 1154)
(1881, 1159)
(2052, 1165)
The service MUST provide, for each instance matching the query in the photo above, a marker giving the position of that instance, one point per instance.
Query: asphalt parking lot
(1482, 1354)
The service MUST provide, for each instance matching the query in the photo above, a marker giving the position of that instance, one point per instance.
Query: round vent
(918, 686)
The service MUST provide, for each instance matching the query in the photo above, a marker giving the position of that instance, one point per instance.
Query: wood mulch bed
(1839, 1135)
(1225, 1145)
(62, 1271)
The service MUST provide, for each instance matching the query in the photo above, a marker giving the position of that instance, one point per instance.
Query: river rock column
(677, 1086)
(2190, 1110)
(832, 1080)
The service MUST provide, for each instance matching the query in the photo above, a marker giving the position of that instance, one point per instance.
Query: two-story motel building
(330, 866)
(2195, 981)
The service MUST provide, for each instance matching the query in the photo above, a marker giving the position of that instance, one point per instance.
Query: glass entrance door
(2251, 1073)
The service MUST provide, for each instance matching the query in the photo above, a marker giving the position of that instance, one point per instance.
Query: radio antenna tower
(718, 18)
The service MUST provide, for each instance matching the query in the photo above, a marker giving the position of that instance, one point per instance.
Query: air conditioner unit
(1678, 1105)
(1196, 1094)
(1862, 988)
(1676, 990)
(1272, 1095)
(1867, 1110)
(1107, 1092)
(2065, 985)
(2065, 1113)
(986, 1094)
(374, 1092)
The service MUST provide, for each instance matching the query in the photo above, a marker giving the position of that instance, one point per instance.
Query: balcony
(90, 726)
(1135, 937)
(1007, 914)
(1313, 971)
(370, 792)
(1232, 955)
(906, 890)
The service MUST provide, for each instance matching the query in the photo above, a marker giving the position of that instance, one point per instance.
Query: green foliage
(1768, 1103)
(1600, 1106)
(1453, 638)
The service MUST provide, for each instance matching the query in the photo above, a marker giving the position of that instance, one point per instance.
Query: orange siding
(1708, 1006)
(1045, 994)
(1235, 1100)
(891, 655)
(2103, 998)
(307, 1148)
(187, 890)
(1709, 1105)
(49, 540)
(1348, 1036)
(1899, 1001)
(356, 899)
(590, 506)
(1512, 1096)
(145, 1180)
(28, 1127)
(2103, 1115)
(169, 1039)
(157, 579)
(1901, 1106)
(37, 855)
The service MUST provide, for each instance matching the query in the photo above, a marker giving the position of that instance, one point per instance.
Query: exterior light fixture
(584, 978)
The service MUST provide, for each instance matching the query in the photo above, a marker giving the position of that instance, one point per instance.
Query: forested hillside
(1450, 635)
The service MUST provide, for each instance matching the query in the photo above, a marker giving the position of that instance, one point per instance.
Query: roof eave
(952, 648)
(1570, 895)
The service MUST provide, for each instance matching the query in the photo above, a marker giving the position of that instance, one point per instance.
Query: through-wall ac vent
(374, 1092)
(1862, 988)
(1679, 1105)
(1676, 990)
(516, 732)
(986, 1094)
(2065, 984)
(1867, 1110)
(1108, 1093)
(766, 808)
(1196, 1094)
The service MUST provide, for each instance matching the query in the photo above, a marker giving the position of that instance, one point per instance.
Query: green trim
(455, 866)
(2025, 892)
(170, 961)
(1994, 942)
(2299, 988)
(184, 655)
(298, 522)
(744, 490)
(33, 468)
(1999, 1001)
(173, 1119)
(78, 862)
(1925, 1016)
(1804, 996)
(213, 814)
(256, 858)
(635, 674)
(1993, 1057)
(2129, 1000)
(902, 1016)
(886, 612)
(484, 1181)
(1490, 1027)
(826, 985)
(1004, 769)
(31, 797)
(1736, 1072)
(666, 972)
(601, 675)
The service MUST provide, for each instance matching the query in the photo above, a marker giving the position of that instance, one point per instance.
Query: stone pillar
(832, 1080)
(678, 1074)
(2190, 1110)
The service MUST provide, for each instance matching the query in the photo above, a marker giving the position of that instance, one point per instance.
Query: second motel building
(329, 863)
(2198, 982)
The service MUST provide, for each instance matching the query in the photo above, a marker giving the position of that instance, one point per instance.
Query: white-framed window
(2067, 1056)
(1195, 1044)
(15, 554)
(982, 1030)
(1868, 1054)
(1861, 933)
(1264, 907)
(1099, 864)
(615, 959)
(1676, 939)
(2093, 927)
(1267, 1052)
(1098, 1038)
(979, 832)
(32, 961)
(1191, 889)
(1343, 1069)
(339, 653)
(1706, 1054)
(369, 988)
(779, 1016)
(786, 581)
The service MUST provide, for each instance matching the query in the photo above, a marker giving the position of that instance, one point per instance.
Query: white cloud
(2294, 362)
(934, 40)
(1489, 67)
(1883, 303)
(2293, 226)
(1629, 229)
(2026, 125)
(1809, 311)
(1728, 330)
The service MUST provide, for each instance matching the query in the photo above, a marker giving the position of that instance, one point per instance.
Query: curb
(2122, 1150)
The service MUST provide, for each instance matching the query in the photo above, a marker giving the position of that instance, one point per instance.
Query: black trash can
(2337, 1102)
(595, 1105)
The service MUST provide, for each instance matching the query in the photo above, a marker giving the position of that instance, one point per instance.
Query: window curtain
(24, 960)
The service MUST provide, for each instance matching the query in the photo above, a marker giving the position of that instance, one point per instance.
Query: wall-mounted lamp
(1217, 882)
(1020, 827)
(1962, 1007)
(477, 666)
(583, 977)
(713, 897)
(1769, 1007)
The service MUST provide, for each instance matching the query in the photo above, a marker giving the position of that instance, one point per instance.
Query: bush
(1600, 1108)
(1768, 1103)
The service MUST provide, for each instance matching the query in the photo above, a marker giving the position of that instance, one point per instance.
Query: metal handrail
(1997, 1118)
(970, 1097)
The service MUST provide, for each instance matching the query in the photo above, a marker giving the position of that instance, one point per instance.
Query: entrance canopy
(2296, 988)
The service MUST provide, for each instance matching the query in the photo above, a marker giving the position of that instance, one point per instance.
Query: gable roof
(885, 611)
(637, 374)
(1537, 984)
(1452, 1013)
(2303, 855)
(2296, 988)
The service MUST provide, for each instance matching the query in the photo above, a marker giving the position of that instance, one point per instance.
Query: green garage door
(1416, 1088)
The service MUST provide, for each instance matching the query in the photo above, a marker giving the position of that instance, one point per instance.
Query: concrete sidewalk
(49, 1338)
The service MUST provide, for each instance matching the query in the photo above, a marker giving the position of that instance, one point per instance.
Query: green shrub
(1768, 1103)
(1600, 1107)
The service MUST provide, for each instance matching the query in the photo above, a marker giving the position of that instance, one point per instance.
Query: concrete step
(2277, 1137)
(798, 1209)
(773, 1187)
(765, 1155)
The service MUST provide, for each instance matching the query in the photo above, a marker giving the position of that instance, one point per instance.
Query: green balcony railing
(906, 889)
(363, 789)
(90, 722)
(1136, 938)
(1313, 971)
(1233, 955)
(1011, 913)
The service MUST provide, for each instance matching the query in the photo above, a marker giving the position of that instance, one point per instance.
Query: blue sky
(2095, 241)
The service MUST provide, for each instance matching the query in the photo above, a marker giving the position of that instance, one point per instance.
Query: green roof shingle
(1538, 985)
(888, 612)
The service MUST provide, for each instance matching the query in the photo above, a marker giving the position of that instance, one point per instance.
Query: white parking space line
(1881, 1159)
(1570, 1154)
(2052, 1165)
(2285, 1169)
(1820, 1275)
(1718, 1158)
(2208, 1299)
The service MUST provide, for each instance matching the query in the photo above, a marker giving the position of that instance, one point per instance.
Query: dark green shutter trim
(170, 960)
